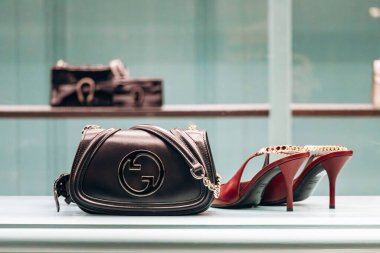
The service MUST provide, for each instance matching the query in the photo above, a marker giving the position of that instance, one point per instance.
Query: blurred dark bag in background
(102, 85)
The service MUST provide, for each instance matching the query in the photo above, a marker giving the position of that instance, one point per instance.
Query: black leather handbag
(102, 85)
(145, 170)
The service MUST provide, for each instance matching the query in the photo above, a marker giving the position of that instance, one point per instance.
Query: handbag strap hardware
(61, 189)
(198, 172)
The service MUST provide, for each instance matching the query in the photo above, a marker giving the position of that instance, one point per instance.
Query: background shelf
(357, 110)
(219, 110)
(41, 111)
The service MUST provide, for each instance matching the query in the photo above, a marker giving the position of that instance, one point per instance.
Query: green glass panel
(334, 44)
(206, 51)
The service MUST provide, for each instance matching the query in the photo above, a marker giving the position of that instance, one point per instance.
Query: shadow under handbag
(144, 170)
(102, 85)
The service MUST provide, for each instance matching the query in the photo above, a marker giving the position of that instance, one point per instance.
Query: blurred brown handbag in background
(138, 92)
(102, 85)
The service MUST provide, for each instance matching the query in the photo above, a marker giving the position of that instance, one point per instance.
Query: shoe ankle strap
(325, 148)
(284, 149)
(289, 149)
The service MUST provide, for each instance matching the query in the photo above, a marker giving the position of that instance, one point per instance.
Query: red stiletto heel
(305, 184)
(237, 194)
(333, 166)
(289, 170)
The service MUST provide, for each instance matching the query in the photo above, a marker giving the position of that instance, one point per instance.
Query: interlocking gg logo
(141, 173)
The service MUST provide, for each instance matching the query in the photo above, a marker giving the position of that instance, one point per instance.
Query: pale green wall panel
(152, 37)
(8, 52)
(236, 59)
(32, 157)
(8, 128)
(33, 88)
(334, 44)
(33, 74)
(9, 174)
(202, 57)
(25, 81)
(280, 71)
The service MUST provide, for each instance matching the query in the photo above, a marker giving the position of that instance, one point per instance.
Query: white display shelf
(31, 224)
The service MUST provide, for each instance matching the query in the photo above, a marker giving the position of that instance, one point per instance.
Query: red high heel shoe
(237, 194)
(305, 184)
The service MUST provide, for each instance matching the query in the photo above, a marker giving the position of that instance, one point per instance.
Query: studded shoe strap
(325, 148)
(290, 149)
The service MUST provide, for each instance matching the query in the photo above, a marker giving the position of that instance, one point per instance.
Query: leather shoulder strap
(189, 143)
(196, 168)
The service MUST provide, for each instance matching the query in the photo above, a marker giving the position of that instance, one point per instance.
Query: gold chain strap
(215, 188)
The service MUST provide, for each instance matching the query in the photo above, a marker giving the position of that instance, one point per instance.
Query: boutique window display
(109, 173)
(243, 125)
